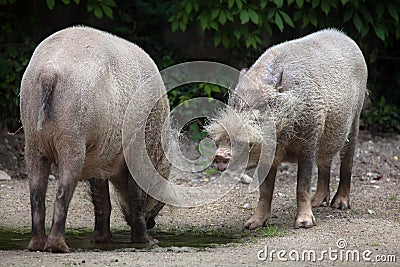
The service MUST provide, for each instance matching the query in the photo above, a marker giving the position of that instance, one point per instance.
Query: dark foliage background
(234, 32)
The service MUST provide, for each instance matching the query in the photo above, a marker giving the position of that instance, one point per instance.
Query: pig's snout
(221, 164)
(222, 158)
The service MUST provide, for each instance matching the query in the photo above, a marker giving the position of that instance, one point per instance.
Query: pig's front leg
(263, 211)
(304, 217)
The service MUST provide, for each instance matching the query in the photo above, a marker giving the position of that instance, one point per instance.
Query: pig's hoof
(37, 244)
(254, 222)
(319, 200)
(100, 237)
(304, 220)
(56, 246)
(340, 202)
(146, 241)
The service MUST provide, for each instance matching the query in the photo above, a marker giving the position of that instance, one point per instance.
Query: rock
(371, 212)
(4, 176)
(246, 206)
(245, 179)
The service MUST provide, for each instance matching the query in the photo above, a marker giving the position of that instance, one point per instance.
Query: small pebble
(246, 206)
(371, 212)
(245, 179)
(4, 176)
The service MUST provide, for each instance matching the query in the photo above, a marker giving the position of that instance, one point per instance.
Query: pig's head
(236, 135)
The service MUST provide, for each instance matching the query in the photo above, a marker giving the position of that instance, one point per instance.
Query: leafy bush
(239, 29)
(382, 117)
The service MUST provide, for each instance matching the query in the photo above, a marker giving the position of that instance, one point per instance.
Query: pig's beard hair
(225, 125)
(285, 109)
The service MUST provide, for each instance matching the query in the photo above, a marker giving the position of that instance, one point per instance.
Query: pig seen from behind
(313, 90)
(74, 94)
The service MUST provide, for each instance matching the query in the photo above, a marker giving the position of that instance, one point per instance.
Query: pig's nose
(221, 165)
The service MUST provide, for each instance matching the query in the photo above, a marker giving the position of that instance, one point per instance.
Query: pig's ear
(242, 73)
(274, 78)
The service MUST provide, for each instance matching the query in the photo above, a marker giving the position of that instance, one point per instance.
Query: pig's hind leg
(38, 168)
(71, 159)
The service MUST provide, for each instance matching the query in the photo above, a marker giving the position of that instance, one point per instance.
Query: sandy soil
(371, 228)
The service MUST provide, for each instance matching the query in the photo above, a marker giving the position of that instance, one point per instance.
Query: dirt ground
(366, 235)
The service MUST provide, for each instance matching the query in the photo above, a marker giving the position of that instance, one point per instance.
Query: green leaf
(231, 3)
(348, 14)
(236, 33)
(306, 21)
(76, 1)
(196, 6)
(290, 2)
(263, 4)
(222, 17)
(108, 11)
(239, 4)
(278, 21)
(217, 40)
(50, 4)
(215, 13)
(313, 17)
(225, 41)
(248, 43)
(380, 10)
(357, 22)
(364, 30)
(244, 17)
(379, 32)
(203, 22)
(110, 3)
(287, 19)
(66, 2)
(356, 3)
(182, 26)
(175, 26)
(393, 13)
(297, 15)
(325, 6)
(214, 25)
(253, 16)
(344, 2)
(188, 7)
(207, 89)
(314, 3)
(228, 14)
(366, 15)
(278, 3)
(98, 12)
(299, 3)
